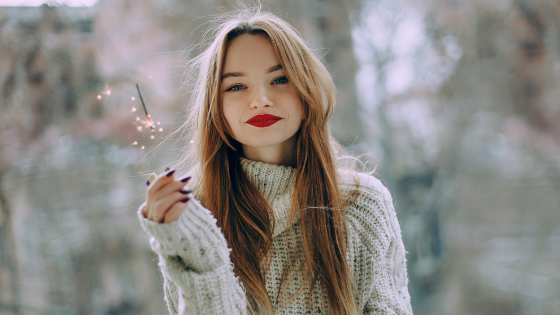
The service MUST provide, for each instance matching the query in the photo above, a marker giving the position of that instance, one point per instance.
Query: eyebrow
(242, 74)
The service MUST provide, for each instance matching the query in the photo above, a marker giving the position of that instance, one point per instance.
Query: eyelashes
(283, 79)
(235, 88)
(239, 87)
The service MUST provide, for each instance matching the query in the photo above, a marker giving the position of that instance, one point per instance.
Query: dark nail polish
(170, 173)
(166, 169)
(184, 192)
(148, 183)
(186, 179)
(185, 200)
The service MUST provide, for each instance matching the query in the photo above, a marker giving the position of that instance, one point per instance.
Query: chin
(264, 142)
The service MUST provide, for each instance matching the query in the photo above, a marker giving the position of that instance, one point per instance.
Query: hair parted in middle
(241, 210)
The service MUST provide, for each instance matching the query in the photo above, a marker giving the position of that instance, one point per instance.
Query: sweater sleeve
(195, 263)
(385, 280)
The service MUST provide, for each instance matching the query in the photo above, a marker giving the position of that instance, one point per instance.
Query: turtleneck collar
(272, 180)
(276, 183)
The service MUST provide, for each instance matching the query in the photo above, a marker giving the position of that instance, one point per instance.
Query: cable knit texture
(198, 273)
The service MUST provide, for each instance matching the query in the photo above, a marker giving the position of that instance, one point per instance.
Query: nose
(261, 98)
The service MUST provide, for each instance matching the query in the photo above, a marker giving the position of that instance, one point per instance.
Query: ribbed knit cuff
(193, 236)
(216, 292)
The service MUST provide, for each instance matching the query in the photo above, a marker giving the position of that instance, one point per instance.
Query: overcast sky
(32, 3)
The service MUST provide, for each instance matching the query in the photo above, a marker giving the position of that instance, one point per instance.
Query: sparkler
(149, 123)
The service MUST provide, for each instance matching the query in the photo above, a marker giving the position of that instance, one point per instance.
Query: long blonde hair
(241, 210)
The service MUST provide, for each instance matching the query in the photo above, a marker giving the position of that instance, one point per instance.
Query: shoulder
(370, 211)
(366, 187)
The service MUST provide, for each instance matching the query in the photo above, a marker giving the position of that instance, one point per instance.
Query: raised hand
(165, 198)
(191, 240)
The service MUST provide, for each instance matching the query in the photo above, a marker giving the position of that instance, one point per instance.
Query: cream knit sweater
(198, 273)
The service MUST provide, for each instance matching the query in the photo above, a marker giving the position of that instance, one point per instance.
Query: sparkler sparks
(148, 123)
(148, 117)
(141, 124)
(107, 90)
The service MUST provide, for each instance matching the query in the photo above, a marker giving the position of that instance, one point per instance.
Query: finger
(170, 188)
(175, 210)
(151, 179)
(160, 182)
(164, 205)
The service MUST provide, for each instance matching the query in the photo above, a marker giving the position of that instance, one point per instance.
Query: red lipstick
(263, 120)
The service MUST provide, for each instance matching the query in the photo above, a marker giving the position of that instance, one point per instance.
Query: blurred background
(459, 101)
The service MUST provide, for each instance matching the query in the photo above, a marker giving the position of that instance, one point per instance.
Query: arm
(385, 286)
(389, 290)
(194, 260)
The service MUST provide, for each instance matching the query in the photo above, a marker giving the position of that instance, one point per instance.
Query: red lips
(263, 120)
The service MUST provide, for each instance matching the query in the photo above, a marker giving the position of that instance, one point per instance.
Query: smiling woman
(262, 109)
(272, 222)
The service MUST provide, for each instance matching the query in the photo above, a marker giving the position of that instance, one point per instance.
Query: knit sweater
(198, 273)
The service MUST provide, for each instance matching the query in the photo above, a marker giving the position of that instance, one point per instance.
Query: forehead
(249, 51)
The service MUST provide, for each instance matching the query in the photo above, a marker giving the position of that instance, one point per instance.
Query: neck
(279, 154)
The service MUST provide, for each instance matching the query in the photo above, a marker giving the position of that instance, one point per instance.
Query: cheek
(298, 108)
(296, 103)
(230, 118)
(229, 112)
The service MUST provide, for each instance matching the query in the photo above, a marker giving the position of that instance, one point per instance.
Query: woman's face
(253, 83)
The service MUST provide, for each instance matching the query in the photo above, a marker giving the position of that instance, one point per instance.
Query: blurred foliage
(457, 100)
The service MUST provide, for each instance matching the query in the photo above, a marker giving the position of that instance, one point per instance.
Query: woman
(272, 223)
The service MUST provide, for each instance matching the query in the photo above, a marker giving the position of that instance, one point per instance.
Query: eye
(235, 88)
(281, 80)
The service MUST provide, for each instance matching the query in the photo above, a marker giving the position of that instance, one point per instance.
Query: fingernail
(166, 169)
(184, 192)
(186, 179)
(170, 173)
(147, 183)
(185, 200)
